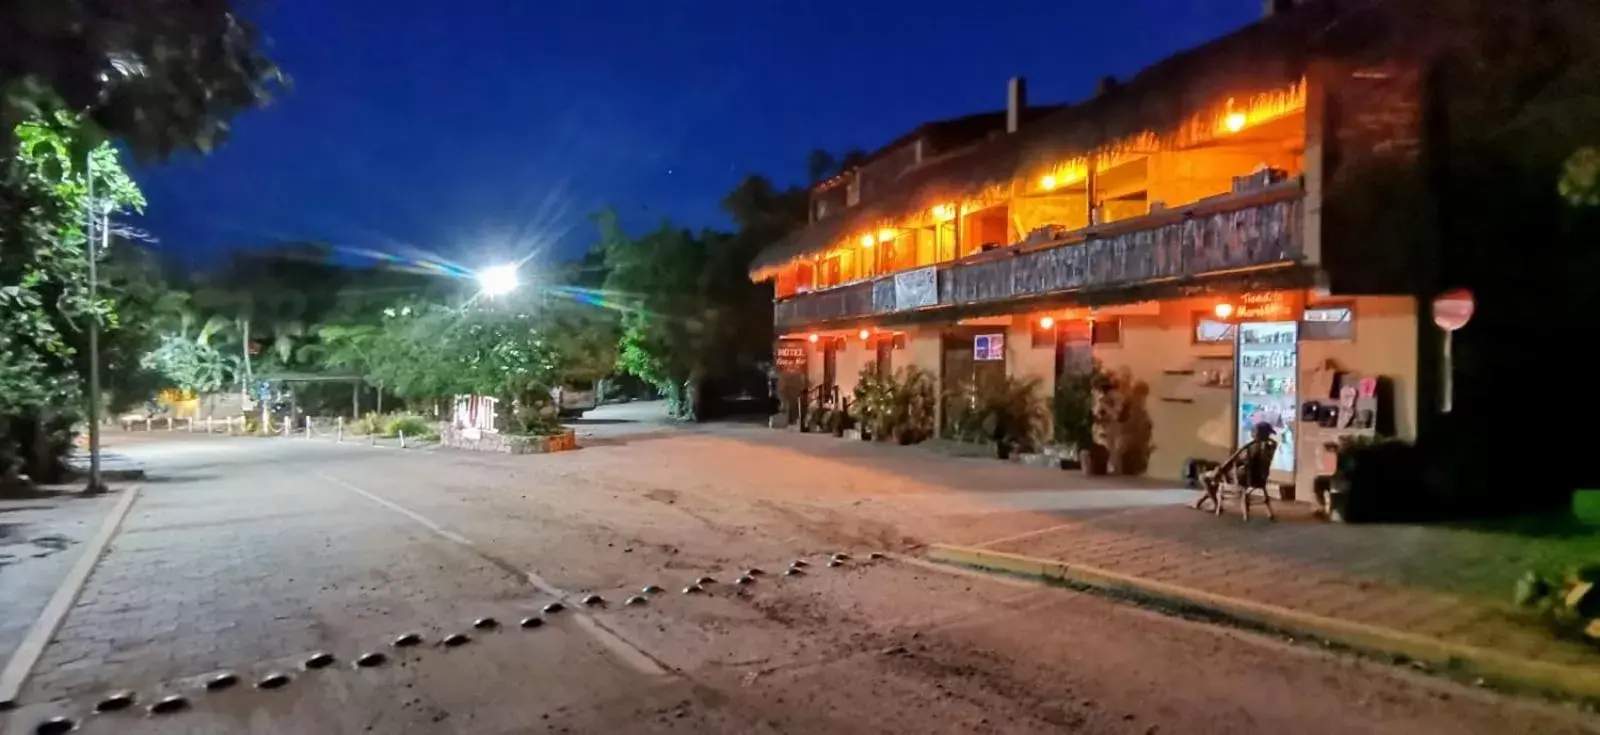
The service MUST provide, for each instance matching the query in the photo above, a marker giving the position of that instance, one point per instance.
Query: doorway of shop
(830, 369)
(961, 368)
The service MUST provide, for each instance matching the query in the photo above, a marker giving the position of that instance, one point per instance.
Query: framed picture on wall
(1209, 330)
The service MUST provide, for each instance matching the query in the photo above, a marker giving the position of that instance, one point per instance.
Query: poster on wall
(1265, 378)
(989, 347)
(915, 289)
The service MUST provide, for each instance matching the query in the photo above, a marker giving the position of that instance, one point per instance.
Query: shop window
(805, 277)
(1106, 332)
(1208, 330)
(1328, 322)
(829, 273)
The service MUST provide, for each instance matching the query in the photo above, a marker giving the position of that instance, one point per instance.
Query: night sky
(480, 127)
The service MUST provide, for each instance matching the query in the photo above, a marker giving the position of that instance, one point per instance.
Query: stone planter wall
(507, 443)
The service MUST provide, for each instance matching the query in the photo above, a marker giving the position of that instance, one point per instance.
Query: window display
(1266, 373)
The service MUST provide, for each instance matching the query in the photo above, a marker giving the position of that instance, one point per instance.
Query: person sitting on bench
(1247, 469)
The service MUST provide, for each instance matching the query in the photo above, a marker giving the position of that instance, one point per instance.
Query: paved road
(250, 555)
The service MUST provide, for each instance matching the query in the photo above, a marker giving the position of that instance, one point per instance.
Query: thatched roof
(1268, 54)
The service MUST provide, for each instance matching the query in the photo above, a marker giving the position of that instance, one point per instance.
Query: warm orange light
(867, 241)
(1048, 183)
(944, 212)
(813, 339)
(1223, 310)
(886, 234)
(1047, 322)
(1235, 121)
(865, 334)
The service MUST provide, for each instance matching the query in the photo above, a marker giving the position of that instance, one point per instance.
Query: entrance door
(885, 356)
(1074, 346)
(961, 367)
(955, 371)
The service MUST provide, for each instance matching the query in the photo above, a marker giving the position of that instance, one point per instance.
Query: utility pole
(95, 485)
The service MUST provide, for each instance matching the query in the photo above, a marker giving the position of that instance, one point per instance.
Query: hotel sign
(791, 356)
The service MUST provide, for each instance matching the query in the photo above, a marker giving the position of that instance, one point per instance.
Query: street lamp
(93, 255)
(497, 280)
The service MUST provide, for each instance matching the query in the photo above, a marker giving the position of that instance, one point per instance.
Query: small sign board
(791, 356)
(1269, 306)
(989, 347)
(1453, 309)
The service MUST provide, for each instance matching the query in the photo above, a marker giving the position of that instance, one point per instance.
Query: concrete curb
(1494, 666)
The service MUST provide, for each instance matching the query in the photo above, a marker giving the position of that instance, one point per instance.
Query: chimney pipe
(1276, 7)
(1016, 103)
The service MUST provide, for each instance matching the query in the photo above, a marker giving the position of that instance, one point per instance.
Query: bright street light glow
(498, 281)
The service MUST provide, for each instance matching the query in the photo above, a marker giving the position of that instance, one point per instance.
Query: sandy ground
(249, 555)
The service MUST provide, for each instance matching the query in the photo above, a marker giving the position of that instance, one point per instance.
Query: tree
(44, 204)
(159, 75)
(693, 317)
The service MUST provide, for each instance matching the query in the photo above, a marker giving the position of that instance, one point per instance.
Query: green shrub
(1001, 409)
(1571, 608)
(414, 426)
(537, 421)
(1072, 406)
(1382, 479)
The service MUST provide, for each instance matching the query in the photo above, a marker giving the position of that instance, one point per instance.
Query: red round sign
(1453, 309)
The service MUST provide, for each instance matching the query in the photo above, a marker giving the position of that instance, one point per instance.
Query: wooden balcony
(1217, 236)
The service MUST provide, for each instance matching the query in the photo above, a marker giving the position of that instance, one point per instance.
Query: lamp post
(95, 485)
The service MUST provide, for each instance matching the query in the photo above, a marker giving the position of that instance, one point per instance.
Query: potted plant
(1012, 413)
(839, 421)
(872, 396)
(915, 402)
(1072, 417)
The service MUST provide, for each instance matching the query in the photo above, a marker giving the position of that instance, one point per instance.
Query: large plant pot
(1095, 460)
(1338, 506)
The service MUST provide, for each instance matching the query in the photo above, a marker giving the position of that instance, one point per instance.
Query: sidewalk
(41, 537)
(1435, 594)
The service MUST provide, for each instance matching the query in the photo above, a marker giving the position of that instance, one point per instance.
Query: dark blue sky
(478, 126)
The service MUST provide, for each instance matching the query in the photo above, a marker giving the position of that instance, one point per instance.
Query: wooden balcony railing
(1210, 237)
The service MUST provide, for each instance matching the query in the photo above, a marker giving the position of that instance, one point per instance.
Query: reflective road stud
(115, 703)
(169, 705)
(273, 681)
(456, 639)
(221, 681)
(56, 726)
(531, 622)
(319, 661)
(407, 640)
